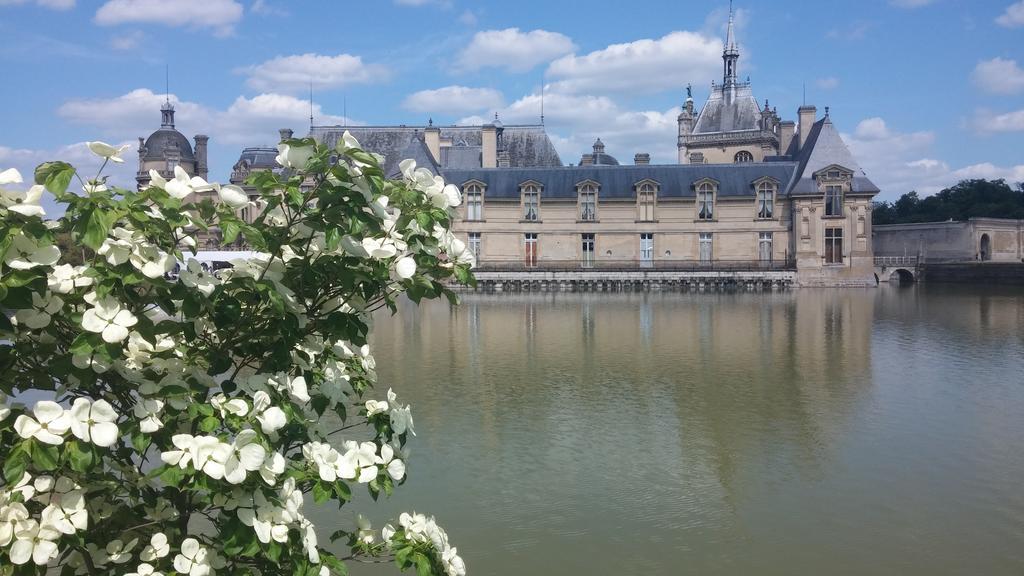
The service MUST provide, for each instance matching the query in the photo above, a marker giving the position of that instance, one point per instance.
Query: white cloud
(986, 121)
(468, 18)
(512, 49)
(1013, 17)
(129, 41)
(294, 73)
(247, 121)
(899, 162)
(910, 3)
(264, 8)
(828, 83)
(575, 121)
(454, 100)
(999, 76)
(219, 15)
(641, 66)
(52, 4)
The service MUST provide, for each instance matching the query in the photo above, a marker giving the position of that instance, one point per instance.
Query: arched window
(531, 203)
(765, 200)
(706, 201)
(474, 202)
(588, 202)
(743, 156)
(646, 195)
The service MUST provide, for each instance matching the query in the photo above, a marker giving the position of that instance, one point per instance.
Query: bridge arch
(902, 276)
(986, 248)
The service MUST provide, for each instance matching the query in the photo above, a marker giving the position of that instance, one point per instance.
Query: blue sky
(925, 91)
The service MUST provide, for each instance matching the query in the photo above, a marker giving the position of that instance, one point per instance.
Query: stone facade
(167, 148)
(977, 239)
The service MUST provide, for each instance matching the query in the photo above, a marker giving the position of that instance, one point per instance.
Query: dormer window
(834, 175)
(706, 200)
(474, 192)
(834, 200)
(531, 202)
(764, 203)
(743, 156)
(646, 196)
(834, 181)
(587, 201)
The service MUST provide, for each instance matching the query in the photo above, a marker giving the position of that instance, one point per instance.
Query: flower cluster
(162, 393)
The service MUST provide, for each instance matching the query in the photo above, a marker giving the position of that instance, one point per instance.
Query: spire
(731, 53)
(167, 109)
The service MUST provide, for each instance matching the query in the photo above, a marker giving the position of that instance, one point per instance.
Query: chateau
(750, 192)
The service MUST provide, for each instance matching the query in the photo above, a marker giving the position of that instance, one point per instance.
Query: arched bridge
(902, 269)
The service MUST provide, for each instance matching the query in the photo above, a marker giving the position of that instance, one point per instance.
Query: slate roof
(675, 180)
(259, 157)
(527, 145)
(725, 113)
(824, 148)
(163, 139)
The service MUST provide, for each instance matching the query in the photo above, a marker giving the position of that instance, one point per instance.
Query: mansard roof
(824, 148)
(726, 112)
(617, 182)
(166, 142)
(527, 145)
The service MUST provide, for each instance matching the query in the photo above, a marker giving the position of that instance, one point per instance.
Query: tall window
(530, 249)
(531, 203)
(646, 250)
(588, 202)
(474, 245)
(743, 156)
(172, 163)
(706, 248)
(587, 250)
(765, 200)
(833, 200)
(833, 245)
(474, 202)
(645, 196)
(706, 201)
(764, 246)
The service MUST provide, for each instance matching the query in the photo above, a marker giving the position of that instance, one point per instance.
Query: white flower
(95, 186)
(118, 249)
(109, 319)
(375, 407)
(347, 142)
(65, 278)
(182, 185)
(235, 406)
(145, 570)
(309, 541)
(67, 515)
(271, 418)
(379, 248)
(12, 515)
(104, 150)
(147, 410)
(387, 532)
(273, 466)
(405, 267)
(233, 196)
(295, 385)
(150, 260)
(25, 253)
(24, 203)
(94, 422)
(5, 410)
(196, 560)
(157, 548)
(330, 464)
(49, 426)
(195, 276)
(394, 466)
(246, 456)
(118, 552)
(364, 457)
(364, 531)
(453, 564)
(38, 316)
(156, 180)
(210, 455)
(184, 453)
(294, 156)
(34, 542)
(401, 416)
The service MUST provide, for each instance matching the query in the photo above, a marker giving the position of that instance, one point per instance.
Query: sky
(925, 92)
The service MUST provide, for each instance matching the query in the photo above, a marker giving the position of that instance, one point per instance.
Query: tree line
(967, 199)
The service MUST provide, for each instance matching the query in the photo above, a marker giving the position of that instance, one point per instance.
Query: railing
(635, 266)
(889, 261)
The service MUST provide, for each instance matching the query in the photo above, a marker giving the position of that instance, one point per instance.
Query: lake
(834, 431)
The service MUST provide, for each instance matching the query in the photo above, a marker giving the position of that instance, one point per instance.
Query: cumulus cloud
(641, 66)
(454, 100)
(899, 162)
(575, 121)
(51, 4)
(294, 73)
(1013, 17)
(264, 8)
(512, 49)
(828, 83)
(999, 76)
(218, 15)
(989, 122)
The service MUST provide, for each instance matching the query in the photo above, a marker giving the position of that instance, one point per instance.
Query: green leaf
(230, 229)
(172, 475)
(141, 442)
(97, 226)
(209, 424)
(342, 491)
(423, 567)
(321, 493)
(81, 458)
(55, 176)
(15, 464)
(45, 456)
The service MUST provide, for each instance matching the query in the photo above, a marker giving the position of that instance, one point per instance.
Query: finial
(495, 115)
(826, 111)
(689, 91)
(430, 122)
(167, 83)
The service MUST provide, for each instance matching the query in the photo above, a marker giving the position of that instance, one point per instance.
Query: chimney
(786, 130)
(202, 169)
(587, 160)
(432, 138)
(642, 159)
(489, 140)
(286, 133)
(807, 116)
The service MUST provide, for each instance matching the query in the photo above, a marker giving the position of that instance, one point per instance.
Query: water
(808, 432)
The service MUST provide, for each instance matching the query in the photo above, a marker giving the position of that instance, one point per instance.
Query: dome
(164, 140)
(258, 158)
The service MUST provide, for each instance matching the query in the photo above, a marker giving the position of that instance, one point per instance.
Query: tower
(685, 120)
(730, 56)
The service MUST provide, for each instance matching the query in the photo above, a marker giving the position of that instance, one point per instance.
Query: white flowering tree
(160, 419)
